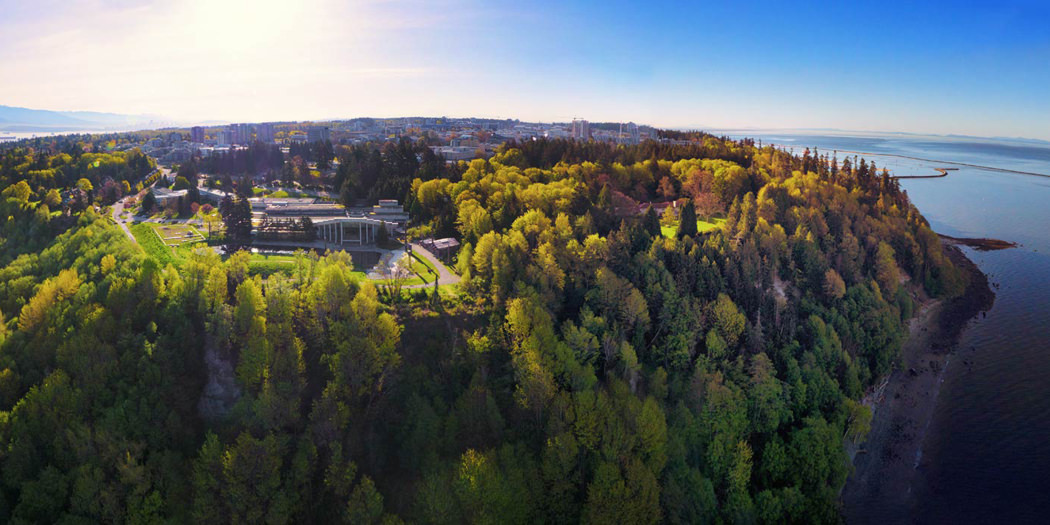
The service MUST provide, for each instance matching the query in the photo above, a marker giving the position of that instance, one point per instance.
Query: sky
(965, 67)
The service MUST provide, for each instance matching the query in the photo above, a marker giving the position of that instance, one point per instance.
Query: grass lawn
(176, 234)
(413, 281)
(423, 267)
(204, 216)
(279, 194)
(702, 226)
(153, 246)
(267, 264)
(149, 235)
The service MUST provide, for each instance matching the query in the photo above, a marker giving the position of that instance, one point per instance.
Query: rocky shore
(879, 490)
(980, 244)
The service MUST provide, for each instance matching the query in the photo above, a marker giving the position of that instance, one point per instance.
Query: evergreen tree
(687, 224)
(237, 216)
(149, 202)
(652, 222)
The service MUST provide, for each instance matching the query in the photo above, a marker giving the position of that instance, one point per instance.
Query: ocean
(986, 455)
(11, 136)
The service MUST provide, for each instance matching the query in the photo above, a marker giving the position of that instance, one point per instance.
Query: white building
(336, 224)
(165, 195)
(350, 230)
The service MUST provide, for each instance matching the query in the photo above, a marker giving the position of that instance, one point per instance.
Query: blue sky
(977, 68)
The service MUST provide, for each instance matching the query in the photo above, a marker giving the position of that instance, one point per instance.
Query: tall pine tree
(652, 222)
(687, 225)
(237, 216)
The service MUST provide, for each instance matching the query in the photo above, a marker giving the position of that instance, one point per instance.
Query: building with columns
(333, 223)
(356, 231)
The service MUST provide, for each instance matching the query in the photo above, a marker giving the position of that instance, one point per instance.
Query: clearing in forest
(178, 234)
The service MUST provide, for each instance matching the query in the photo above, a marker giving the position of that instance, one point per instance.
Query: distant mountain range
(29, 120)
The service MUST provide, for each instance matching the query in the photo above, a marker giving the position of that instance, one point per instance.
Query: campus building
(166, 195)
(334, 223)
(351, 230)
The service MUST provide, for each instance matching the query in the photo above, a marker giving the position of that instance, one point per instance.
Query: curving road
(118, 207)
(116, 210)
(445, 276)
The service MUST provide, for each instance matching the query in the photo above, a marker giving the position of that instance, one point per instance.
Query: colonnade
(335, 232)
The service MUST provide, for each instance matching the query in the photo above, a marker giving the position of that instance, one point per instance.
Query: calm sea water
(986, 458)
(10, 136)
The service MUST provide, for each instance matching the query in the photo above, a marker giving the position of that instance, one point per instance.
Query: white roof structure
(163, 194)
(350, 230)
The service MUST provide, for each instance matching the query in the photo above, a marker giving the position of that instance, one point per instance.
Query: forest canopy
(588, 368)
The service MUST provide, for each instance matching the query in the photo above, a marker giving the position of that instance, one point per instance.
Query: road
(118, 207)
(445, 276)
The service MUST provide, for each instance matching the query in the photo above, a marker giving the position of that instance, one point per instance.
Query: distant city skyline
(940, 68)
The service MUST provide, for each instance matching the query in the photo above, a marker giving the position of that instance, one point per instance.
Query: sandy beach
(880, 488)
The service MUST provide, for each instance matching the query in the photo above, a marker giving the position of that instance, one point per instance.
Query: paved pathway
(445, 276)
(117, 209)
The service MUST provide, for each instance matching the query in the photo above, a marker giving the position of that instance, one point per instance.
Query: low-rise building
(443, 248)
(263, 203)
(351, 230)
(165, 195)
(334, 223)
(390, 210)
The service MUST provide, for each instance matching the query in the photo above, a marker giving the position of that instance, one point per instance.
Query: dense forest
(594, 365)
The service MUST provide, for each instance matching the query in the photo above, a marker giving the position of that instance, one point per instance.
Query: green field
(147, 236)
(269, 264)
(412, 281)
(423, 267)
(702, 226)
(279, 194)
(176, 234)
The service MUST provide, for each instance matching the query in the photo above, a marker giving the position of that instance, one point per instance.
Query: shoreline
(932, 161)
(979, 244)
(880, 488)
(943, 172)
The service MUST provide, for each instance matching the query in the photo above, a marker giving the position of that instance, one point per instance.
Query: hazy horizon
(941, 69)
(731, 131)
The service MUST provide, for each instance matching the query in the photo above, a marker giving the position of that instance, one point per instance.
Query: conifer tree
(687, 225)
(652, 222)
